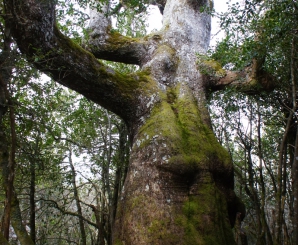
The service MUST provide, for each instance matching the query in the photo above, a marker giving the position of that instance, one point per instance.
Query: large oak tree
(179, 186)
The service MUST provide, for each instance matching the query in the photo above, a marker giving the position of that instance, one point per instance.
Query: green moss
(157, 230)
(118, 40)
(156, 36)
(118, 242)
(210, 67)
(147, 219)
(176, 122)
(137, 201)
(176, 128)
(202, 217)
(124, 84)
(216, 67)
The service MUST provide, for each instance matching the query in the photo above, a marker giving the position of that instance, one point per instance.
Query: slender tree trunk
(265, 227)
(106, 174)
(100, 212)
(7, 160)
(279, 211)
(279, 214)
(295, 191)
(6, 60)
(120, 171)
(295, 162)
(100, 240)
(106, 168)
(32, 202)
(3, 163)
(77, 200)
(257, 204)
(32, 190)
(10, 175)
(16, 222)
(251, 190)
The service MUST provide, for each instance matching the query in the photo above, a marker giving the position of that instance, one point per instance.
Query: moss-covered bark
(180, 183)
(68, 63)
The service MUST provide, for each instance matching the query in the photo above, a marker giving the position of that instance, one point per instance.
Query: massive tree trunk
(179, 186)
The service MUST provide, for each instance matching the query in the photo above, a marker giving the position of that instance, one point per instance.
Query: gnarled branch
(107, 44)
(33, 26)
(250, 80)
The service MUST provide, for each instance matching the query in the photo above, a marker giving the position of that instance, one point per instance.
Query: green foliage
(236, 119)
(252, 127)
(51, 121)
(72, 18)
(261, 30)
(234, 54)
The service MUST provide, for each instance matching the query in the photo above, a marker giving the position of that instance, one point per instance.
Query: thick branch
(33, 26)
(247, 81)
(118, 48)
(107, 44)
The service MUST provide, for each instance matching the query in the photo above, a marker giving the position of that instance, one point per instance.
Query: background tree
(260, 31)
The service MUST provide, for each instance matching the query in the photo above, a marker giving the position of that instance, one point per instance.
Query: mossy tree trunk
(179, 186)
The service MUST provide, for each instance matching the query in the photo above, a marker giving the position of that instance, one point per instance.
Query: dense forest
(90, 162)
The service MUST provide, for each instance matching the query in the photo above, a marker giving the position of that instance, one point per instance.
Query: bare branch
(64, 212)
